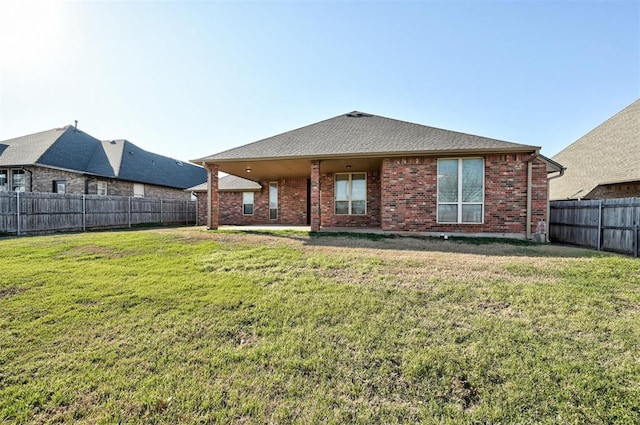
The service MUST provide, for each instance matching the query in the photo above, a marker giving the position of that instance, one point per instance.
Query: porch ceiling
(290, 168)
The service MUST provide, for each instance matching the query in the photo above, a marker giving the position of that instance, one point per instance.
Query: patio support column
(212, 210)
(315, 196)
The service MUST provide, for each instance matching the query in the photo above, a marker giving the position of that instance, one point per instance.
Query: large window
(18, 183)
(351, 194)
(460, 190)
(247, 203)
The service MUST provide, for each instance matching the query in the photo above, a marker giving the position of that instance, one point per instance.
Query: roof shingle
(72, 149)
(358, 133)
(609, 153)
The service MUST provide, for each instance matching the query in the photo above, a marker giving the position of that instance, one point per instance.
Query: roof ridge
(65, 128)
(265, 138)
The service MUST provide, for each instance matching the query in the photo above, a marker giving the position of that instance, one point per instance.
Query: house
(604, 163)
(368, 171)
(234, 209)
(68, 160)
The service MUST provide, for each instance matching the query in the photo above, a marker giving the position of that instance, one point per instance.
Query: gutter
(560, 174)
(533, 157)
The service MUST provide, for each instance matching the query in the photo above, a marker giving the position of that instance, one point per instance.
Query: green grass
(189, 326)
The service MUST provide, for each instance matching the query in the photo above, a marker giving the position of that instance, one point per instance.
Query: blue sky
(188, 79)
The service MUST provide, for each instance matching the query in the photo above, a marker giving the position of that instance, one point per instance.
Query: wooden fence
(606, 225)
(24, 213)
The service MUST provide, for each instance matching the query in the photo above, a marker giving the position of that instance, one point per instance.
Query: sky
(188, 79)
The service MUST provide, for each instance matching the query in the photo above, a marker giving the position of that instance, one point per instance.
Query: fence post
(84, 213)
(600, 210)
(18, 212)
(186, 212)
(161, 211)
(129, 215)
(635, 241)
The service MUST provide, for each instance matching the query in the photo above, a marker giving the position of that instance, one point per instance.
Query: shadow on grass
(466, 245)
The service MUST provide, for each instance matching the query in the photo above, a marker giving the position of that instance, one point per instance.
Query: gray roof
(71, 149)
(358, 133)
(229, 183)
(610, 153)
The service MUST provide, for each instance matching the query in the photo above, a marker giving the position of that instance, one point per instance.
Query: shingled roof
(229, 183)
(71, 149)
(610, 153)
(359, 133)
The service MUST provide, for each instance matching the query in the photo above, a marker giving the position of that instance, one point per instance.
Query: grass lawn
(189, 326)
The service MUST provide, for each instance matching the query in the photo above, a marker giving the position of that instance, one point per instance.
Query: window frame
(272, 210)
(4, 187)
(349, 199)
(138, 194)
(23, 185)
(60, 183)
(246, 204)
(459, 203)
(104, 186)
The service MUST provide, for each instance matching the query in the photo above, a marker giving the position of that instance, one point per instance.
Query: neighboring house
(237, 205)
(363, 170)
(67, 160)
(604, 163)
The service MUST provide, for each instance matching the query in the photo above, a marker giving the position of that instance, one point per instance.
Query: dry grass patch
(189, 326)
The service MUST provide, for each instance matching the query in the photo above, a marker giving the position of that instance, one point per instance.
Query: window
(60, 186)
(138, 190)
(460, 190)
(17, 181)
(273, 201)
(247, 203)
(351, 194)
(102, 189)
(4, 180)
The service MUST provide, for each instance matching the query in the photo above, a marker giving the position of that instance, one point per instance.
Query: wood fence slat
(52, 212)
(608, 225)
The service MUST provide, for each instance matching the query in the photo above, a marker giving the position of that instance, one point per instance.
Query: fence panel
(608, 225)
(22, 213)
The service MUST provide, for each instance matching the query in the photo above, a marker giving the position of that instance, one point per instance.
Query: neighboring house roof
(71, 149)
(359, 133)
(610, 153)
(229, 183)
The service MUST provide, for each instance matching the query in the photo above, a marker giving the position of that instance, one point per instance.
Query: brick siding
(292, 205)
(616, 190)
(330, 219)
(410, 195)
(402, 196)
(41, 180)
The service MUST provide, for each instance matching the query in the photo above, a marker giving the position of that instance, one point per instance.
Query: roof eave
(395, 154)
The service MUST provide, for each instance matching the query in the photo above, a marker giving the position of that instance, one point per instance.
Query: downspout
(30, 178)
(532, 158)
(206, 167)
(548, 202)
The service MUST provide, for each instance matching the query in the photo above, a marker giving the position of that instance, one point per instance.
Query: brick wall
(409, 202)
(330, 219)
(403, 197)
(292, 205)
(77, 183)
(201, 205)
(616, 190)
